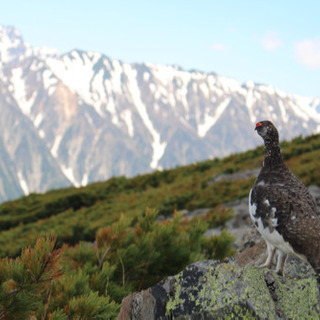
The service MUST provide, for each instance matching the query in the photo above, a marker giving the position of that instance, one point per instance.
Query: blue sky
(270, 42)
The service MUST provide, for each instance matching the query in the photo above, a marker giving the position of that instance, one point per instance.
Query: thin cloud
(219, 47)
(271, 42)
(307, 52)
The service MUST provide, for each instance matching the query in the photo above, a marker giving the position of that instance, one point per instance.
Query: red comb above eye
(258, 124)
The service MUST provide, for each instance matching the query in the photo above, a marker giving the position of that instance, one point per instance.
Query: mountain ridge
(87, 117)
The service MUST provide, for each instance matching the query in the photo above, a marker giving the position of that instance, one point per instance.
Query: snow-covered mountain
(80, 117)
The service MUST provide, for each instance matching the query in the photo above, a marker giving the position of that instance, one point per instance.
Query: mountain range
(79, 117)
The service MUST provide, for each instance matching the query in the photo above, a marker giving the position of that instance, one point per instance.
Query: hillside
(79, 117)
(75, 214)
(107, 242)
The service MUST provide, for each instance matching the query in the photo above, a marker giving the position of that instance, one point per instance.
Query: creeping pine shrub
(42, 284)
(26, 281)
(149, 250)
(89, 280)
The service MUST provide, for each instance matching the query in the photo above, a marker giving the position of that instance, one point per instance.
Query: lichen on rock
(224, 291)
(231, 289)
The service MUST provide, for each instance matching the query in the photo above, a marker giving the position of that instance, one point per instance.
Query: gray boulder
(232, 289)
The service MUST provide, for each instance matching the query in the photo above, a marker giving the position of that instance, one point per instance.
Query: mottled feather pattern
(282, 208)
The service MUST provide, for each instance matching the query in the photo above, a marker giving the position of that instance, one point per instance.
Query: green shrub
(89, 280)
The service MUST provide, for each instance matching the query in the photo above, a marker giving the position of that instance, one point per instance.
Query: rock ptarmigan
(282, 208)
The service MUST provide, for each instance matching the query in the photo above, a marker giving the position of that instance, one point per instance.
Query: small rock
(242, 175)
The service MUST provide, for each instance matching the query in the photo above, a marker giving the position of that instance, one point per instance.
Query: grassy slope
(76, 214)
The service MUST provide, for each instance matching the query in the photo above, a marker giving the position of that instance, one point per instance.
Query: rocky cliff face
(79, 117)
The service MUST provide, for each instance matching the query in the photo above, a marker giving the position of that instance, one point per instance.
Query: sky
(275, 42)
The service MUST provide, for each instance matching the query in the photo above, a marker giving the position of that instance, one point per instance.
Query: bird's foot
(280, 272)
(265, 265)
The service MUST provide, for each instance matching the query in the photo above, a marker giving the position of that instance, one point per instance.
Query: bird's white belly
(274, 238)
(252, 208)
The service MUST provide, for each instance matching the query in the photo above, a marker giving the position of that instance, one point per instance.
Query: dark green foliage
(89, 281)
(90, 306)
(25, 281)
(149, 250)
(218, 216)
(220, 246)
(40, 284)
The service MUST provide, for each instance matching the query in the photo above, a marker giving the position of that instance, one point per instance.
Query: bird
(282, 209)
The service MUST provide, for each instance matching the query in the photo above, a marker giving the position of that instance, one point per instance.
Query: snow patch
(146, 76)
(210, 121)
(77, 71)
(171, 99)
(55, 146)
(270, 108)
(23, 183)
(195, 87)
(112, 109)
(267, 89)
(115, 79)
(51, 91)
(249, 84)
(204, 88)
(152, 87)
(183, 91)
(299, 111)
(304, 106)
(20, 92)
(250, 102)
(126, 115)
(164, 74)
(68, 172)
(38, 120)
(84, 180)
(42, 134)
(10, 44)
(284, 115)
(48, 79)
(98, 92)
(157, 146)
(231, 85)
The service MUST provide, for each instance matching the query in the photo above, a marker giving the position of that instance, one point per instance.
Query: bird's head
(267, 131)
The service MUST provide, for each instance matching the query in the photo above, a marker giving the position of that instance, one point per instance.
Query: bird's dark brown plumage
(282, 208)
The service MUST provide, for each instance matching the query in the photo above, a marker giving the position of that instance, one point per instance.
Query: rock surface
(232, 289)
